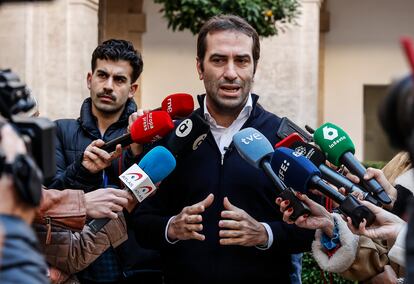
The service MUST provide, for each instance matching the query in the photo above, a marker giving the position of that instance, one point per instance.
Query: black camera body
(38, 134)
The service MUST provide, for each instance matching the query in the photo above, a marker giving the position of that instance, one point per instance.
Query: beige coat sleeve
(72, 252)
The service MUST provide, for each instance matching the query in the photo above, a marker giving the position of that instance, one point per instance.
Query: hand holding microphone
(254, 148)
(339, 149)
(96, 159)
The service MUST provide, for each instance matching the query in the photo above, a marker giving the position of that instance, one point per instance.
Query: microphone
(178, 105)
(301, 174)
(188, 135)
(147, 128)
(339, 149)
(141, 179)
(319, 160)
(287, 127)
(257, 150)
(289, 140)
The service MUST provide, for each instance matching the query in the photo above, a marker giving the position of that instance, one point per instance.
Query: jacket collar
(88, 120)
(254, 113)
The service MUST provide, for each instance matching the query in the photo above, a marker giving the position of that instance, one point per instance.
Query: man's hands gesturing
(186, 225)
(239, 228)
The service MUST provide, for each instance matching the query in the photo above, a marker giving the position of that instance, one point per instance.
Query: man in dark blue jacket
(214, 218)
(20, 258)
(105, 115)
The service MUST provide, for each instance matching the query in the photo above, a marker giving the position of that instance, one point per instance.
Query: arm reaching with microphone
(239, 228)
(95, 159)
(187, 224)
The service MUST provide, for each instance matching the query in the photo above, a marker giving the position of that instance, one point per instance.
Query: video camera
(38, 133)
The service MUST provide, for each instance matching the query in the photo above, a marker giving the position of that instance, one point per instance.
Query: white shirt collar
(245, 112)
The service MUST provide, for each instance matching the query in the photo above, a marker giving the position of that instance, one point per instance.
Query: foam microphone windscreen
(188, 135)
(252, 146)
(309, 151)
(178, 105)
(158, 163)
(151, 127)
(294, 170)
(289, 140)
(334, 142)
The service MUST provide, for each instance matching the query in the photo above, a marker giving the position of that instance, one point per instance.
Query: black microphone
(300, 173)
(318, 159)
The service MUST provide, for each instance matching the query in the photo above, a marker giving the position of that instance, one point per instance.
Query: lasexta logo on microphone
(329, 133)
(184, 128)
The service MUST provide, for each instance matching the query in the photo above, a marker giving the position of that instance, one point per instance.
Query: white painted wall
(169, 60)
(362, 47)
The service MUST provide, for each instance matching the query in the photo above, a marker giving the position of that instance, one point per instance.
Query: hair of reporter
(396, 114)
(118, 49)
(398, 165)
(227, 23)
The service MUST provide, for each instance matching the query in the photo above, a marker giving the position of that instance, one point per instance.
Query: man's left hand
(239, 228)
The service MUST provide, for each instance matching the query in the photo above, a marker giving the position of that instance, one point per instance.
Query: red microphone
(147, 128)
(289, 140)
(178, 105)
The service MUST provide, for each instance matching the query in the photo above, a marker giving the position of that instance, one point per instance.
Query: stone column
(123, 19)
(287, 74)
(49, 45)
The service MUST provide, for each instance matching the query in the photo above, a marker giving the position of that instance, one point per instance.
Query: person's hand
(388, 276)
(386, 225)
(136, 148)
(11, 143)
(105, 202)
(379, 176)
(239, 228)
(319, 217)
(186, 225)
(95, 159)
(132, 201)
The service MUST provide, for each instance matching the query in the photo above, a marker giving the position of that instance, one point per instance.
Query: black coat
(248, 188)
(73, 136)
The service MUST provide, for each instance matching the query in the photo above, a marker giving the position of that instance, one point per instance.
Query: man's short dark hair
(118, 49)
(227, 23)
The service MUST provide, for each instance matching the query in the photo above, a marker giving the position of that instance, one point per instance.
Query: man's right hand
(95, 159)
(105, 202)
(186, 225)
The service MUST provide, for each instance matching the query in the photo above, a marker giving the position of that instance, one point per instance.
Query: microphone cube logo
(184, 128)
(136, 180)
(329, 133)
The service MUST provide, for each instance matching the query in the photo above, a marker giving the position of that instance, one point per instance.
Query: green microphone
(339, 149)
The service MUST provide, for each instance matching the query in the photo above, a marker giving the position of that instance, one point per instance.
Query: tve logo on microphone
(136, 180)
(248, 139)
(184, 128)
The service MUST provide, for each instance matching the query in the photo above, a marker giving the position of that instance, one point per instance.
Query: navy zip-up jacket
(248, 188)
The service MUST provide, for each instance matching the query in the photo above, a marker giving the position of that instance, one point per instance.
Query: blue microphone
(254, 147)
(141, 178)
(301, 174)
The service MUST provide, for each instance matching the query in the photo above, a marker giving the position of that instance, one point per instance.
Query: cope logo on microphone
(198, 141)
(299, 151)
(184, 128)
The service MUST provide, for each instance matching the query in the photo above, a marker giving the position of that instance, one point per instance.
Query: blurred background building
(334, 65)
